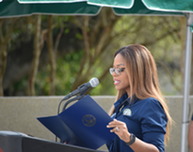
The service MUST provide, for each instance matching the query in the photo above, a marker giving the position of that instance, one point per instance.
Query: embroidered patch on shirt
(127, 112)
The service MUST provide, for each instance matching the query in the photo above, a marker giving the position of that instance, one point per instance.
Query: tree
(72, 49)
(97, 35)
(38, 42)
(6, 28)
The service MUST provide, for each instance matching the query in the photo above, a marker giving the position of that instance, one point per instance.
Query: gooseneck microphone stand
(71, 100)
(76, 98)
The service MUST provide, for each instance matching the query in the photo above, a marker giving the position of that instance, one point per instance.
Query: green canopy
(14, 8)
(159, 5)
(138, 7)
(170, 5)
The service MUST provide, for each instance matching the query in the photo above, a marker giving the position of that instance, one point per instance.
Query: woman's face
(121, 80)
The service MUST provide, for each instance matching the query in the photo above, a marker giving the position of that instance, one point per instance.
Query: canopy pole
(187, 76)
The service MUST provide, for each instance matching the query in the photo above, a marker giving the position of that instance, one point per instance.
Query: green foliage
(161, 35)
(65, 74)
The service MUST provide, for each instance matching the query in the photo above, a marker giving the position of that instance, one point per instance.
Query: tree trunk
(183, 40)
(51, 57)
(95, 40)
(5, 37)
(36, 53)
(3, 61)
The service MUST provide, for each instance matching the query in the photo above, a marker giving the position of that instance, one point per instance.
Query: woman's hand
(120, 129)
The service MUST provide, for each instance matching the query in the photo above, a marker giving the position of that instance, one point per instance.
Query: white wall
(19, 114)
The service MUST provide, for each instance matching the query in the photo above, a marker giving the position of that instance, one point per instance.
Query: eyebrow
(119, 65)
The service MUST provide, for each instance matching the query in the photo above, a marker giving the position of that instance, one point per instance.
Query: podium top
(16, 141)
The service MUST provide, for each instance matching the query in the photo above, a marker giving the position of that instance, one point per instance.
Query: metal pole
(187, 75)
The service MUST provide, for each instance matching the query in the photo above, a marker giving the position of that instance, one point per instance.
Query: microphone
(83, 88)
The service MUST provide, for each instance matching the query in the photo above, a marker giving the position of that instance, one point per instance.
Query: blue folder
(82, 124)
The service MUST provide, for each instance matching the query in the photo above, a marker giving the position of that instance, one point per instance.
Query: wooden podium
(19, 142)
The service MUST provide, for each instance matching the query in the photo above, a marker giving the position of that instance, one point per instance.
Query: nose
(114, 74)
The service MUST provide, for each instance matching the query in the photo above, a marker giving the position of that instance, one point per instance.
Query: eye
(120, 69)
(116, 70)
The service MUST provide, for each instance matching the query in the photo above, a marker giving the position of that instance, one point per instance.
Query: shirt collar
(120, 101)
(124, 100)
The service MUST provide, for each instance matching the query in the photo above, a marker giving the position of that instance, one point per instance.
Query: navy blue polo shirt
(145, 118)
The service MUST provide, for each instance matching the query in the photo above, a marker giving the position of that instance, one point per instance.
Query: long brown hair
(143, 79)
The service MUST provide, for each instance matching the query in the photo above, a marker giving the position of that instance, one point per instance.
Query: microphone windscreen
(94, 82)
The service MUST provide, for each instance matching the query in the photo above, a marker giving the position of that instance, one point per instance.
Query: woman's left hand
(120, 129)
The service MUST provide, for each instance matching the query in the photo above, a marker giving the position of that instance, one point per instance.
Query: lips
(116, 82)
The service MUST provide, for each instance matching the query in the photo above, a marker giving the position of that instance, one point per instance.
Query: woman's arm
(120, 129)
